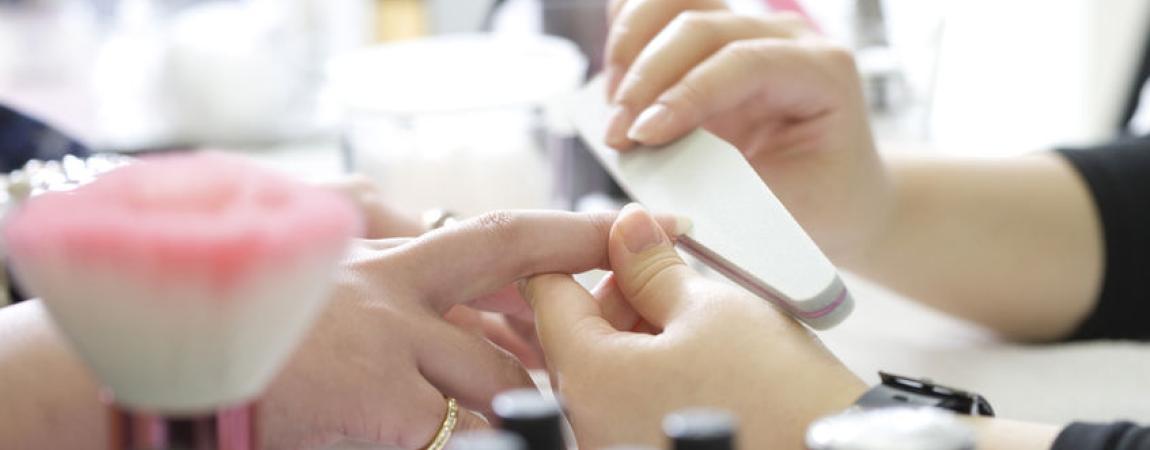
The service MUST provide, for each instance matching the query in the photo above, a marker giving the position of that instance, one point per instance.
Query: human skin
(376, 366)
(657, 337)
(950, 233)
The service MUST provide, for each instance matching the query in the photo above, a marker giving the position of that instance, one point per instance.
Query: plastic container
(455, 121)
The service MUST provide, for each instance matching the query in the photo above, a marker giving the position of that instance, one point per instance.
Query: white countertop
(1053, 383)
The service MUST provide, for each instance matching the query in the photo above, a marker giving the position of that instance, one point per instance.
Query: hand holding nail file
(740, 229)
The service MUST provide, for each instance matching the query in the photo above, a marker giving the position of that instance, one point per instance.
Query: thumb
(647, 268)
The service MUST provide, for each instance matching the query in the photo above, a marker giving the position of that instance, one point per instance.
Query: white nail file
(740, 229)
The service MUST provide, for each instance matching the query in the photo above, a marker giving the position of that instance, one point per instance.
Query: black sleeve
(1118, 176)
(1111, 436)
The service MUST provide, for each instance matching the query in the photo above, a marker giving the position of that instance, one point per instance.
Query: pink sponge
(210, 215)
(185, 281)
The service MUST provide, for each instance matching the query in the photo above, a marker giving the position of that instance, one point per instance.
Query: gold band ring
(447, 427)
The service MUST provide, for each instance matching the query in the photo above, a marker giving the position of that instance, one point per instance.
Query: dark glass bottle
(536, 418)
(700, 429)
(486, 440)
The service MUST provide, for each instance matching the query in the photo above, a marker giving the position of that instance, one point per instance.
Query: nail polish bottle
(535, 418)
(486, 440)
(700, 429)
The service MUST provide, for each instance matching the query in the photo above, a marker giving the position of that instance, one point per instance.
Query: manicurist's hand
(950, 233)
(696, 342)
(789, 100)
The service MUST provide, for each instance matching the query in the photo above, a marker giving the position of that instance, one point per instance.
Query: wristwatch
(896, 390)
(902, 413)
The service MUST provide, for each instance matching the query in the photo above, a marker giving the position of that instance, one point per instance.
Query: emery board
(740, 228)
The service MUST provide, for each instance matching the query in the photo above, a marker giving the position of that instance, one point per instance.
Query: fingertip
(683, 225)
(675, 225)
(638, 230)
(648, 270)
(617, 125)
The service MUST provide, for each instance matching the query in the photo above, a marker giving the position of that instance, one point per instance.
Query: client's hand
(699, 343)
(382, 221)
(790, 101)
(381, 359)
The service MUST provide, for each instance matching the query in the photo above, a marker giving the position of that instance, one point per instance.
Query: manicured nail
(639, 229)
(683, 225)
(616, 135)
(652, 122)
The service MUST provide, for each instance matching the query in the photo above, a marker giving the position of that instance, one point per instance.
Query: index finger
(479, 256)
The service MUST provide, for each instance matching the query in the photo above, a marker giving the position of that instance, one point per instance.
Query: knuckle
(509, 372)
(417, 428)
(628, 99)
(622, 44)
(495, 232)
(601, 224)
(688, 96)
(789, 20)
(743, 51)
(837, 56)
(699, 24)
(497, 225)
(654, 274)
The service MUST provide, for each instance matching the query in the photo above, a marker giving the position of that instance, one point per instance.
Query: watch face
(895, 428)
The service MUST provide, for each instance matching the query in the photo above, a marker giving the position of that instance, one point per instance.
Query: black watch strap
(898, 390)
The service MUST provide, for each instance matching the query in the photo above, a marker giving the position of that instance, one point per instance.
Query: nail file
(741, 230)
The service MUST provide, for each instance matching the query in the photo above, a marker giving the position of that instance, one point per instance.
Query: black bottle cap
(535, 418)
(486, 440)
(700, 429)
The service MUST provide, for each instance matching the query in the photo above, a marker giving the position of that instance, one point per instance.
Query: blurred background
(450, 103)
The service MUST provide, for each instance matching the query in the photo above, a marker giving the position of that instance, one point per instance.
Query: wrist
(881, 222)
(1000, 434)
(840, 396)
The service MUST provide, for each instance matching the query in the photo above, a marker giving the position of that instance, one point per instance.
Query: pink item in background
(210, 215)
(795, 7)
(183, 282)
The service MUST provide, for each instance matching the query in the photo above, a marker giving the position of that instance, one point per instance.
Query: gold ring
(447, 427)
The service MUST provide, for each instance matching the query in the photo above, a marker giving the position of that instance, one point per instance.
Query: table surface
(1053, 383)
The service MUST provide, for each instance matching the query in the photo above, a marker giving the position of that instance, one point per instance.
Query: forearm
(1014, 244)
(47, 400)
(1002, 434)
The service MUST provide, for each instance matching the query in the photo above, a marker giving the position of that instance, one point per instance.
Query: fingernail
(683, 225)
(616, 135)
(639, 229)
(651, 123)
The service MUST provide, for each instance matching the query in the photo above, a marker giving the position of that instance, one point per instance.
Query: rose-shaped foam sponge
(183, 281)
